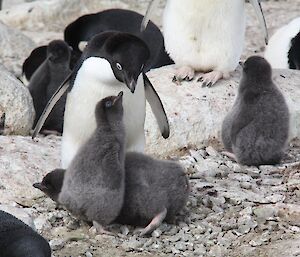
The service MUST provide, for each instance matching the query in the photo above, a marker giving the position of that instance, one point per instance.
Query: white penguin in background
(111, 62)
(205, 36)
(283, 50)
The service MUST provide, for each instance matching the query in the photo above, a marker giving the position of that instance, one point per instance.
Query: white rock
(15, 47)
(196, 114)
(24, 162)
(52, 15)
(16, 103)
(289, 213)
(19, 213)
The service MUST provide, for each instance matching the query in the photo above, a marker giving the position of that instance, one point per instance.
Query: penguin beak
(39, 186)
(118, 97)
(130, 82)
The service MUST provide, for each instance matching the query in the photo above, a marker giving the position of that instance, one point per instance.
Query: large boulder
(196, 114)
(16, 105)
(24, 162)
(52, 15)
(15, 47)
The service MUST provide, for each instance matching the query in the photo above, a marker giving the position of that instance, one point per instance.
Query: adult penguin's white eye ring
(119, 66)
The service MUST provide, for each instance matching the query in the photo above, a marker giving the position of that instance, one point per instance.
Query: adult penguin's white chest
(94, 81)
(205, 34)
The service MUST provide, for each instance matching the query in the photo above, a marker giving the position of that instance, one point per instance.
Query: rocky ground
(233, 210)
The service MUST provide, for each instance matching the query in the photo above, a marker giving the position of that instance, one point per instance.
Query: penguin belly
(204, 34)
(276, 52)
(80, 121)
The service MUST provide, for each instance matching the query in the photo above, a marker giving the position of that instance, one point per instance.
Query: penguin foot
(155, 223)
(229, 155)
(184, 73)
(210, 78)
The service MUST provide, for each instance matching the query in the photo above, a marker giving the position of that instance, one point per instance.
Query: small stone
(88, 254)
(267, 169)
(132, 244)
(57, 244)
(247, 211)
(263, 239)
(199, 250)
(180, 246)
(41, 223)
(124, 230)
(175, 251)
(211, 151)
(244, 229)
(216, 251)
(73, 224)
(272, 181)
(196, 155)
(246, 185)
(275, 198)
(240, 177)
(264, 213)
(156, 233)
(157, 246)
(295, 229)
(173, 231)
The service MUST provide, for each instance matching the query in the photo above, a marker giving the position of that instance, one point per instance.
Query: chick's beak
(40, 186)
(118, 97)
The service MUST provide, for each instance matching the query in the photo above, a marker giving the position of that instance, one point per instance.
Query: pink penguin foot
(155, 223)
(211, 78)
(184, 73)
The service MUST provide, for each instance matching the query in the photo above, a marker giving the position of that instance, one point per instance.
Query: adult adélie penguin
(111, 62)
(205, 36)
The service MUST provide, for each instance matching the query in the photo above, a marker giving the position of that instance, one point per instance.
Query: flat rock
(19, 213)
(196, 114)
(289, 213)
(24, 162)
(52, 15)
(16, 104)
(15, 47)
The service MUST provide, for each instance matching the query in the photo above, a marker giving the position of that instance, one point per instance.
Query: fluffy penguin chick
(283, 50)
(155, 190)
(52, 183)
(46, 80)
(93, 186)
(256, 129)
(17, 239)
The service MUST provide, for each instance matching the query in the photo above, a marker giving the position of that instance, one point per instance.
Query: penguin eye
(119, 66)
(108, 104)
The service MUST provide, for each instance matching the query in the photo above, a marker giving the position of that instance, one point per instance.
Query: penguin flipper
(151, 7)
(53, 100)
(157, 107)
(261, 18)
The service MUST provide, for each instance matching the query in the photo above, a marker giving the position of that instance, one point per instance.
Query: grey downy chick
(93, 187)
(155, 190)
(256, 129)
(46, 80)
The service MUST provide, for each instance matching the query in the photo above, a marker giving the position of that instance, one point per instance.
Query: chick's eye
(119, 66)
(108, 104)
